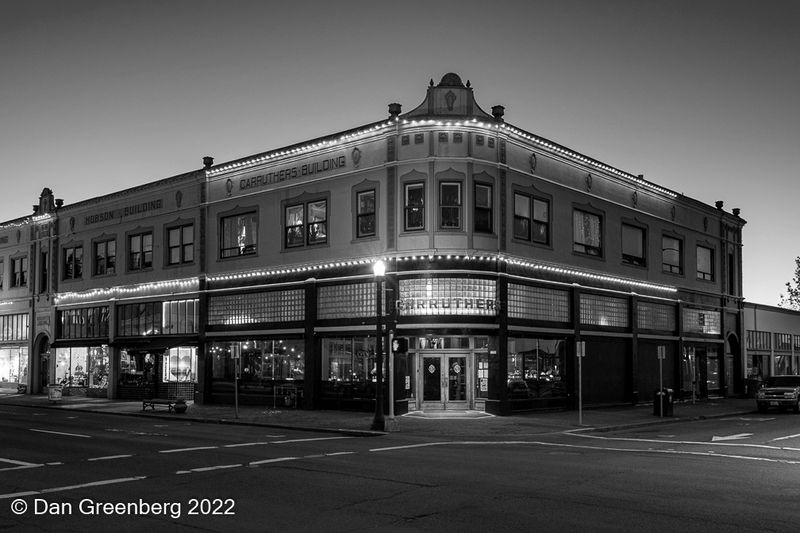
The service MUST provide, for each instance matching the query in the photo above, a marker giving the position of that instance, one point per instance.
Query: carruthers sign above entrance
(448, 306)
(448, 296)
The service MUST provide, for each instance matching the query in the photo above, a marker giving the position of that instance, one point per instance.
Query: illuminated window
(180, 365)
(450, 205)
(180, 244)
(140, 251)
(239, 235)
(672, 255)
(414, 206)
(73, 262)
(306, 224)
(587, 232)
(105, 257)
(705, 263)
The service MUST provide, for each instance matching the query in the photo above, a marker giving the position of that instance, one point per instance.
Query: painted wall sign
(122, 212)
(306, 169)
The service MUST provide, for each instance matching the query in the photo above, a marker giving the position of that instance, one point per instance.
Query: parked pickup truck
(780, 392)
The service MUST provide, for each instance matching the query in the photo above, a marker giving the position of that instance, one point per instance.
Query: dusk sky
(699, 96)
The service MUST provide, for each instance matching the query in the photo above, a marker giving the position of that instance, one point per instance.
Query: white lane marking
(61, 433)
(276, 460)
(261, 443)
(309, 440)
(787, 437)
(409, 446)
(108, 457)
(18, 463)
(731, 437)
(17, 495)
(339, 453)
(207, 469)
(93, 484)
(603, 448)
(688, 442)
(176, 450)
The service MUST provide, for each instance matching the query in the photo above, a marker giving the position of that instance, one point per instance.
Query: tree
(791, 300)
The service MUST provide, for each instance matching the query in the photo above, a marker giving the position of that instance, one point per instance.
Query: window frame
(486, 212)
(629, 259)
(142, 265)
(457, 207)
(182, 247)
(19, 271)
(72, 262)
(537, 225)
(304, 228)
(409, 209)
(246, 250)
(670, 268)
(701, 275)
(589, 250)
(359, 215)
(96, 271)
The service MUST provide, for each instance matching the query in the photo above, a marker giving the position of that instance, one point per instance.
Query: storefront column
(634, 325)
(498, 402)
(312, 376)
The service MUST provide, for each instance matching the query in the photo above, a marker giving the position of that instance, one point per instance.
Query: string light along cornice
(491, 258)
(288, 152)
(495, 128)
(155, 288)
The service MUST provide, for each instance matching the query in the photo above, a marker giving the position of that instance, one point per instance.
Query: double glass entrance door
(445, 382)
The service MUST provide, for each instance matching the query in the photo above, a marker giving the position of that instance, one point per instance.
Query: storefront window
(180, 365)
(263, 363)
(136, 368)
(536, 368)
(348, 367)
(14, 364)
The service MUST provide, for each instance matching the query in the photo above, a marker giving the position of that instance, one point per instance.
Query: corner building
(506, 255)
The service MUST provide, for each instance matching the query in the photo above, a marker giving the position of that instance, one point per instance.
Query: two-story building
(506, 255)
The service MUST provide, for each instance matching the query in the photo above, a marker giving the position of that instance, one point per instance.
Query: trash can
(663, 402)
(54, 393)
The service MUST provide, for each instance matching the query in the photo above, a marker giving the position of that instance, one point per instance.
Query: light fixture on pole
(378, 422)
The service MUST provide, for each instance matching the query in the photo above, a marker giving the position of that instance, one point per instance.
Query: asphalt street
(73, 470)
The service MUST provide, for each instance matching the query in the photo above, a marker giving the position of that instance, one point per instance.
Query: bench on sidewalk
(152, 402)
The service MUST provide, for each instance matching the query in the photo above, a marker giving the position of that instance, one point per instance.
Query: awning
(153, 344)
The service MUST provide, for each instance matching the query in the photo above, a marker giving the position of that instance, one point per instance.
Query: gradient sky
(699, 96)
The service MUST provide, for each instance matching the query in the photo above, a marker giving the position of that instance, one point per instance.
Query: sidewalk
(471, 424)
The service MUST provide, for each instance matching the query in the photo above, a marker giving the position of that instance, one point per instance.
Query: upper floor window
(450, 205)
(2, 273)
(306, 224)
(414, 206)
(73, 262)
(239, 235)
(483, 208)
(587, 233)
(19, 271)
(180, 244)
(365, 214)
(672, 255)
(140, 251)
(705, 263)
(531, 219)
(105, 257)
(633, 245)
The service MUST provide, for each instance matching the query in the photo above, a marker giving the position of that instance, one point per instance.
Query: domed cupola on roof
(451, 99)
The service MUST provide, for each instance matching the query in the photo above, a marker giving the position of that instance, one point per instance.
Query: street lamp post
(378, 422)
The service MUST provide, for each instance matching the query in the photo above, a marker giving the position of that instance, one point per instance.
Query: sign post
(662, 354)
(580, 351)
